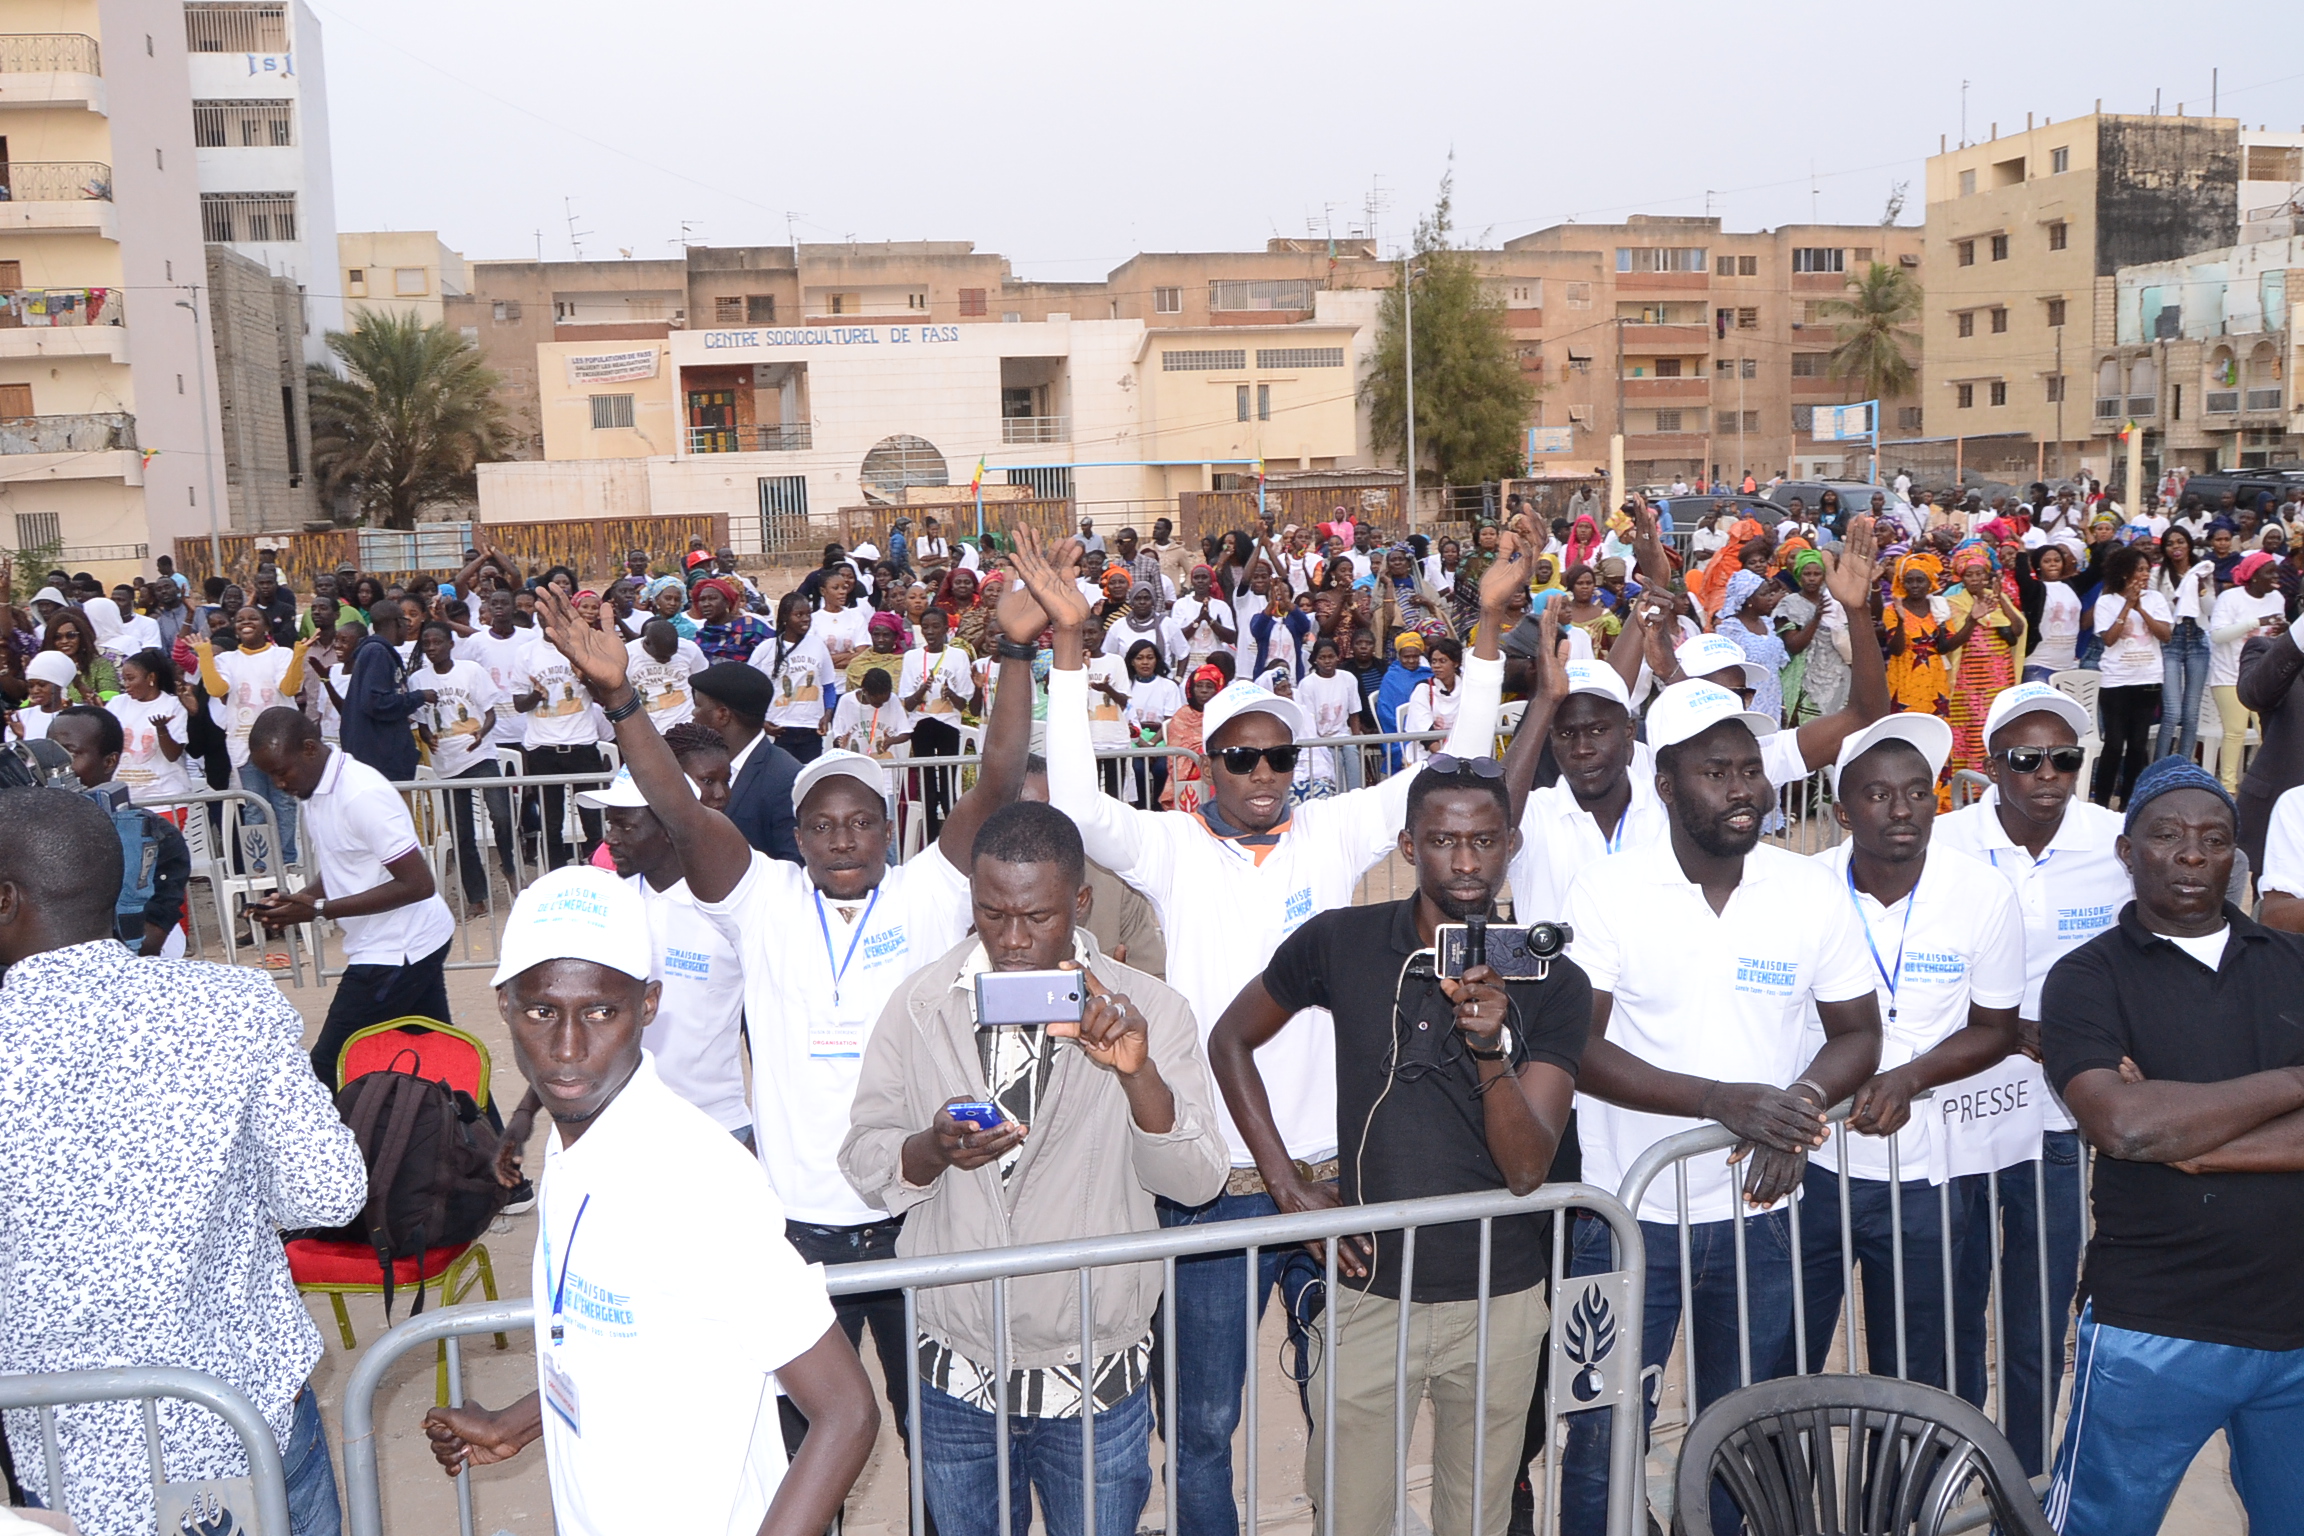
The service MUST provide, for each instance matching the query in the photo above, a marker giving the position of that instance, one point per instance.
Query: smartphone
(1027, 999)
(1513, 953)
(982, 1115)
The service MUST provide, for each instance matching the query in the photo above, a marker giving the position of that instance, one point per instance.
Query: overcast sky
(1069, 137)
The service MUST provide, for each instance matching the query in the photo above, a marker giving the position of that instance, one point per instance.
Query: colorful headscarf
(727, 589)
(886, 623)
(1926, 561)
(1712, 582)
(661, 584)
(1802, 559)
(1740, 588)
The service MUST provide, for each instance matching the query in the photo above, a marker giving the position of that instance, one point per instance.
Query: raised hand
(1848, 575)
(1022, 613)
(1507, 573)
(1043, 574)
(598, 657)
(1111, 1032)
(1552, 682)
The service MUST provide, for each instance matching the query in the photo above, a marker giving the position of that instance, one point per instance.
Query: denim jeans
(2183, 679)
(1871, 1232)
(1712, 1332)
(962, 1471)
(254, 780)
(2021, 1387)
(468, 863)
(1212, 1357)
(313, 1508)
(883, 1310)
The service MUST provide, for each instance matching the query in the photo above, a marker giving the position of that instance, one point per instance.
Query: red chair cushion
(429, 1054)
(313, 1262)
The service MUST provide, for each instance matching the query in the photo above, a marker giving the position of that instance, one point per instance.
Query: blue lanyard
(560, 1286)
(1889, 979)
(840, 969)
(1616, 838)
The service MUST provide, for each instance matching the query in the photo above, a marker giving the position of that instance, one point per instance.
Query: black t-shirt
(1426, 1133)
(2215, 1257)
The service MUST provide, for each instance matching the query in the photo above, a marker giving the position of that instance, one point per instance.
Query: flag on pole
(976, 482)
(1259, 470)
(2128, 431)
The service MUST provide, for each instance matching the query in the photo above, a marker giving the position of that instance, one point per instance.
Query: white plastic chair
(2211, 734)
(2082, 685)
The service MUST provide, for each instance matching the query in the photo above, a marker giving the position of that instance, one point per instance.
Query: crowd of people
(742, 1013)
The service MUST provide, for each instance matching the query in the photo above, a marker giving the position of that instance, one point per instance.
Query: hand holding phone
(963, 1143)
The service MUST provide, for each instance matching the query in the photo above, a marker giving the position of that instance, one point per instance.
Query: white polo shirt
(2283, 869)
(694, 1040)
(1559, 839)
(355, 824)
(815, 984)
(668, 1348)
(1716, 995)
(2070, 894)
(1952, 941)
(1226, 904)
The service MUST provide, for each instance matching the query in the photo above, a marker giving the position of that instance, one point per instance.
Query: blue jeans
(1212, 1354)
(2142, 1406)
(1712, 1332)
(2183, 679)
(313, 1509)
(254, 780)
(961, 1468)
(2021, 1387)
(1871, 1235)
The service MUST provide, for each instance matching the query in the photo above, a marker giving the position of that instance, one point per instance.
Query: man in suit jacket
(2269, 667)
(733, 699)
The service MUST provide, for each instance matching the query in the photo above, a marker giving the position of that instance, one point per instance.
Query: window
(1667, 421)
(1863, 256)
(846, 304)
(1747, 266)
(1229, 295)
(356, 282)
(1667, 367)
(2055, 383)
(611, 411)
(1167, 301)
(34, 529)
(1819, 258)
(1908, 418)
(1804, 418)
(728, 309)
(1999, 321)
(1999, 247)
(1810, 365)
(2274, 162)
(1263, 402)
(916, 301)
(1725, 266)
(1751, 421)
(1213, 360)
(236, 28)
(1964, 396)
(1725, 367)
(1724, 421)
(1669, 258)
(11, 274)
(1964, 252)
(243, 124)
(226, 217)
(1577, 364)
(1748, 319)
(2059, 161)
(1967, 183)
(1299, 357)
(1721, 320)
(408, 282)
(971, 301)
(1750, 367)
(1965, 321)
(1012, 317)
(1527, 296)
(2055, 312)
(783, 505)
(2059, 235)
(1999, 392)
(1579, 295)
(1240, 398)
(507, 311)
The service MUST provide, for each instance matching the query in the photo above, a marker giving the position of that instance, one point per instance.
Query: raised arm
(1648, 557)
(1008, 734)
(712, 849)
(1848, 577)
(1527, 749)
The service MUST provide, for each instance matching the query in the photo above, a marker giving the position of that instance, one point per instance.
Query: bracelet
(625, 710)
(1016, 650)
(1823, 1099)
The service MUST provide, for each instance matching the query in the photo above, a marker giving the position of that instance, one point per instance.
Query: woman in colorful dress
(1918, 637)
(1989, 613)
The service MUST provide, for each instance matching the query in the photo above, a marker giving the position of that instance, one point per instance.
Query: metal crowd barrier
(1600, 1358)
(267, 1481)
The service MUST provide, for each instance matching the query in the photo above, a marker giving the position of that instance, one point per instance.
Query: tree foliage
(406, 418)
(1872, 331)
(1472, 401)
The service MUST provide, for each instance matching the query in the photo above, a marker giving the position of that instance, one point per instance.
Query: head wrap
(1924, 561)
(104, 618)
(2250, 564)
(727, 590)
(1205, 674)
(2168, 775)
(885, 623)
(1407, 639)
(1739, 591)
(1117, 585)
(1613, 566)
(589, 593)
(1804, 558)
(1971, 554)
(1712, 583)
(658, 587)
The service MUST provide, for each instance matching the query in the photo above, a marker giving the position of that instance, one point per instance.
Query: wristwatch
(320, 907)
(1503, 1047)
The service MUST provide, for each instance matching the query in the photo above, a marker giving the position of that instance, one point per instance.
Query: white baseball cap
(1597, 677)
(622, 794)
(1707, 654)
(2033, 698)
(1932, 736)
(1692, 707)
(839, 763)
(577, 913)
(1238, 699)
(51, 667)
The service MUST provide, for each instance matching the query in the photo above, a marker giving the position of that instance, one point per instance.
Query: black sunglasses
(1478, 767)
(2028, 759)
(1242, 760)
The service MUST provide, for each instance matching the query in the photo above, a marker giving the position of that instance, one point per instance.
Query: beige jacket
(1087, 1171)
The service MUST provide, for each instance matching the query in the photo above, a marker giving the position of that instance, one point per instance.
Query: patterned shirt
(159, 1125)
(735, 640)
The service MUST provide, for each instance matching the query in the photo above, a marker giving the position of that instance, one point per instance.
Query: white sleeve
(697, 661)
(1592, 943)
(1416, 711)
(1371, 818)
(1997, 978)
(2283, 869)
(844, 717)
(1118, 836)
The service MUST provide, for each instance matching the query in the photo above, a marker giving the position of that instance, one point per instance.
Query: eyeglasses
(1450, 765)
(1241, 761)
(2028, 759)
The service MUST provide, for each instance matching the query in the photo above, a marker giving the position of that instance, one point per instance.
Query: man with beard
(1705, 956)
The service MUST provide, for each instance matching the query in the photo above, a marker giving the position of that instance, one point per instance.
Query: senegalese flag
(2128, 431)
(976, 481)
(1259, 470)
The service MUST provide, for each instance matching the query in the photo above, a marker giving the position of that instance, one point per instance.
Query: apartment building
(106, 447)
(2026, 236)
(260, 127)
(399, 271)
(1709, 349)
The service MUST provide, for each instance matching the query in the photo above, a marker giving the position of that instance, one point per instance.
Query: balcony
(50, 70)
(2261, 400)
(1035, 429)
(2223, 402)
(1642, 338)
(93, 447)
(756, 439)
(1692, 388)
(62, 322)
(62, 196)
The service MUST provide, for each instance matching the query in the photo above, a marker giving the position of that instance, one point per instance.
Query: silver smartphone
(1028, 999)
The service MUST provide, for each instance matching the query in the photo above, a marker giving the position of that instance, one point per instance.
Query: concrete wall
(380, 255)
(565, 408)
(259, 352)
(2164, 186)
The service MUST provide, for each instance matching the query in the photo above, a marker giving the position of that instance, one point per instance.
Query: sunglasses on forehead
(2028, 759)
(1242, 760)
(1449, 765)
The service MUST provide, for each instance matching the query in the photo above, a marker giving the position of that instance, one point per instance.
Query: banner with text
(612, 367)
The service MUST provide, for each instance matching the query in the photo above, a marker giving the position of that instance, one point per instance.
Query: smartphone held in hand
(1028, 999)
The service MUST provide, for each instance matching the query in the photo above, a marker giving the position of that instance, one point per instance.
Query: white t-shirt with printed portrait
(462, 697)
(506, 661)
(147, 771)
(948, 672)
(563, 716)
(254, 678)
(663, 685)
(803, 675)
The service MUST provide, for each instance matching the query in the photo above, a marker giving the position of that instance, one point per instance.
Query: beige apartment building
(403, 271)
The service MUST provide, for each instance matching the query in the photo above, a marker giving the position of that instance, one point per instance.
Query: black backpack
(431, 1168)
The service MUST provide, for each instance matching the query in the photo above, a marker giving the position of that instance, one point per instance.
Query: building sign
(612, 367)
(283, 64)
(832, 336)
(1543, 440)
(1839, 423)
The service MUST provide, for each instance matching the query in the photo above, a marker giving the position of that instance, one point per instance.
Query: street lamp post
(1408, 302)
(207, 457)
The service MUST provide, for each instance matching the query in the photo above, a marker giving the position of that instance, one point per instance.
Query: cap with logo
(1707, 655)
(839, 763)
(1690, 708)
(1933, 738)
(1239, 699)
(2033, 699)
(1598, 678)
(577, 913)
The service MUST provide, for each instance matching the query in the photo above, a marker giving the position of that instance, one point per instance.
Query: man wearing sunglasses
(1229, 882)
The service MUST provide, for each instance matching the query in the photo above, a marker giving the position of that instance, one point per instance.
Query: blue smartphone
(980, 1115)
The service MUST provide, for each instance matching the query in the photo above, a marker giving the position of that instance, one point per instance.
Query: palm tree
(404, 422)
(1872, 331)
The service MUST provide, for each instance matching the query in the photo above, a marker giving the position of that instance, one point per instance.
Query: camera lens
(1547, 941)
